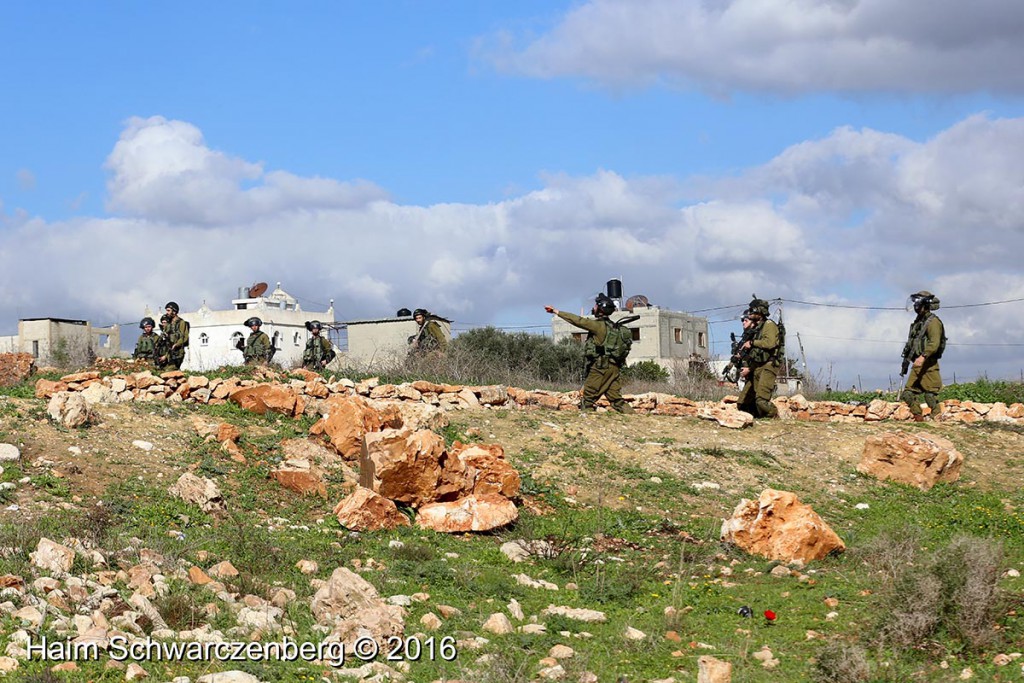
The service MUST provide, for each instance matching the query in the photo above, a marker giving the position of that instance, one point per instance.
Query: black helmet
(173, 305)
(146, 321)
(759, 306)
(314, 325)
(164, 319)
(922, 300)
(253, 321)
(604, 305)
(420, 311)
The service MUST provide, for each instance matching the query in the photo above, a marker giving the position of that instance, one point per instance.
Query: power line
(893, 308)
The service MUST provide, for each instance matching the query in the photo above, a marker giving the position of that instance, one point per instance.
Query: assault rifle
(737, 356)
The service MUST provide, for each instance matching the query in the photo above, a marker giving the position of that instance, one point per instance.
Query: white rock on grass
(143, 445)
(9, 453)
(498, 624)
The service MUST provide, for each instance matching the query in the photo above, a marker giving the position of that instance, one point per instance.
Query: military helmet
(918, 301)
(173, 305)
(759, 306)
(314, 325)
(604, 305)
(146, 321)
(420, 311)
(164, 319)
(253, 321)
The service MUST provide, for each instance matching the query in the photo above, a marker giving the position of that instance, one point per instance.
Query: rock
(493, 395)
(15, 368)
(300, 476)
(727, 416)
(69, 410)
(561, 652)
(498, 624)
(197, 576)
(223, 570)
(778, 526)
(634, 633)
(431, 621)
(711, 670)
(403, 466)
(52, 557)
(198, 491)
(483, 469)
(353, 606)
(9, 453)
(135, 672)
(366, 510)
(307, 566)
(47, 388)
(415, 416)
(97, 393)
(228, 677)
(347, 421)
(588, 616)
(472, 513)
(918, 459)
(142, 445)
(8, 664)
(263, 398)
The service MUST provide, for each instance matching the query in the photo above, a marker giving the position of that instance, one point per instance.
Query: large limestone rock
(711, 670)
(263, 398)
(403, 466)
(778, 526)
(69, 409)
(366, 510)
(347, 420)
(301, 476)
(353, 606)
(52, 557)
(416, 416)
(198, 491)
(919, 459)
(727, 416)
(482, 469)
(472, 513)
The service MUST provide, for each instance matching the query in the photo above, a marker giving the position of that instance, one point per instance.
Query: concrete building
(62, 342)
(383, 341)
(671, 339)
(213, 335)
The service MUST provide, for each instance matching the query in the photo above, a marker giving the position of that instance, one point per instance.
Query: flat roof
(56, 320)
(408, 318)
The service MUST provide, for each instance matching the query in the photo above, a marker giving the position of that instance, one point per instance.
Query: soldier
(318, 352)
(429, 337)
(257, 346)
(162, 345)
(738, 356)
(925, 344)
(145, 348)
(763, 358)
(177, 333)
(603, 369)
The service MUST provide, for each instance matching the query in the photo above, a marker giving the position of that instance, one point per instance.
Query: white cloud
(782, 46)
(858, 217)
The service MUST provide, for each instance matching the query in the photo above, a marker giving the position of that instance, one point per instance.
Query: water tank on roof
(615, 289)
(636, 300)
(403, 313)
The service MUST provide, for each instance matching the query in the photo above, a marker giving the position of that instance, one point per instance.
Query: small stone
(498, 624)
(135, 672)
(561, 652)
(307, 566)
(144, 445)
(9, 453)
(1001, 659)
(431, 621)
(1012, 573)
(634, 634)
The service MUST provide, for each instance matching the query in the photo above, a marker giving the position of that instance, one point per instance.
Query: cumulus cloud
(857, 217)
(779, 46)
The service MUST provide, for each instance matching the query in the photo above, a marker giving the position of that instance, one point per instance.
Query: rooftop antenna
(257, 289)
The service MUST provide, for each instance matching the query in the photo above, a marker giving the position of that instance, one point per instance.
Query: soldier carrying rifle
(738, 354)
(925, 344)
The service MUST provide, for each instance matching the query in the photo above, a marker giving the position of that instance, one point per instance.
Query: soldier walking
(604, 360)
(762, 361)
(177, 333)
(318, 352)
(925, 345)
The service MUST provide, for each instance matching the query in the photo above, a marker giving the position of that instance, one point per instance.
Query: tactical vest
(918, 338)
(759, 356)
(146, 346)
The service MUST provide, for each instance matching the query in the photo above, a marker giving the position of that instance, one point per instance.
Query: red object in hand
(769, 615)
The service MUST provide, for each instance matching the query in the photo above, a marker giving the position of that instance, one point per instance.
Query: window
(636, 333)
(702, 340)
(35, 348)
(204, 339)
(235, 338)
(579, 336)
(677, 334)
(276, 341)
(296, 339)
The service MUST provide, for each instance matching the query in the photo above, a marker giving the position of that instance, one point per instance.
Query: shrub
(645, 371)
(842, 663)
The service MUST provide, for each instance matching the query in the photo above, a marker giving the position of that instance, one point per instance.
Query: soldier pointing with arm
(603, 367)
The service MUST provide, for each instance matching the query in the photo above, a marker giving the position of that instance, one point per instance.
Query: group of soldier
(758, 356)
(166, 350)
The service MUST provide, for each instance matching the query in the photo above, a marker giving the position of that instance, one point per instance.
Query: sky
(484, 159)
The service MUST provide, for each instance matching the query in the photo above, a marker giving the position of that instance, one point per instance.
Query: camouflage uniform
(429, 337)
(257, 348)
(924, 381)
(318, 353)
(177, 333)
(162, 347)
(145, 348)
(763, 361)
(603, 374)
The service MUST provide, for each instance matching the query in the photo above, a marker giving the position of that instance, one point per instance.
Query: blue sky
(483, 159)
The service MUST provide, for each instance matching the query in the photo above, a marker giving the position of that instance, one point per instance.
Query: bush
(842, 663)
(645, 371)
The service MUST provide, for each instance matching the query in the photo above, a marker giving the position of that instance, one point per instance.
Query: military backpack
(618, 340)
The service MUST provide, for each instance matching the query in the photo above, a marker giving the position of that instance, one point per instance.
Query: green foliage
(504, 353)
(985, 391)
(645, 371)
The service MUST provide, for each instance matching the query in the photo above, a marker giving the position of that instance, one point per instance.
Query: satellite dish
(257, 289)
(636, 300)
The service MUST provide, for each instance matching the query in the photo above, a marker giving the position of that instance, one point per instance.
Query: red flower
(769, 615)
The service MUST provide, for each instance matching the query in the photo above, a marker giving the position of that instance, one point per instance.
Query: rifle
(737, 355)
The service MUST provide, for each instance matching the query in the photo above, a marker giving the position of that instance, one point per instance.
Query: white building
(672, 339)
(383, 342)
(62, 341)
(213, 335)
